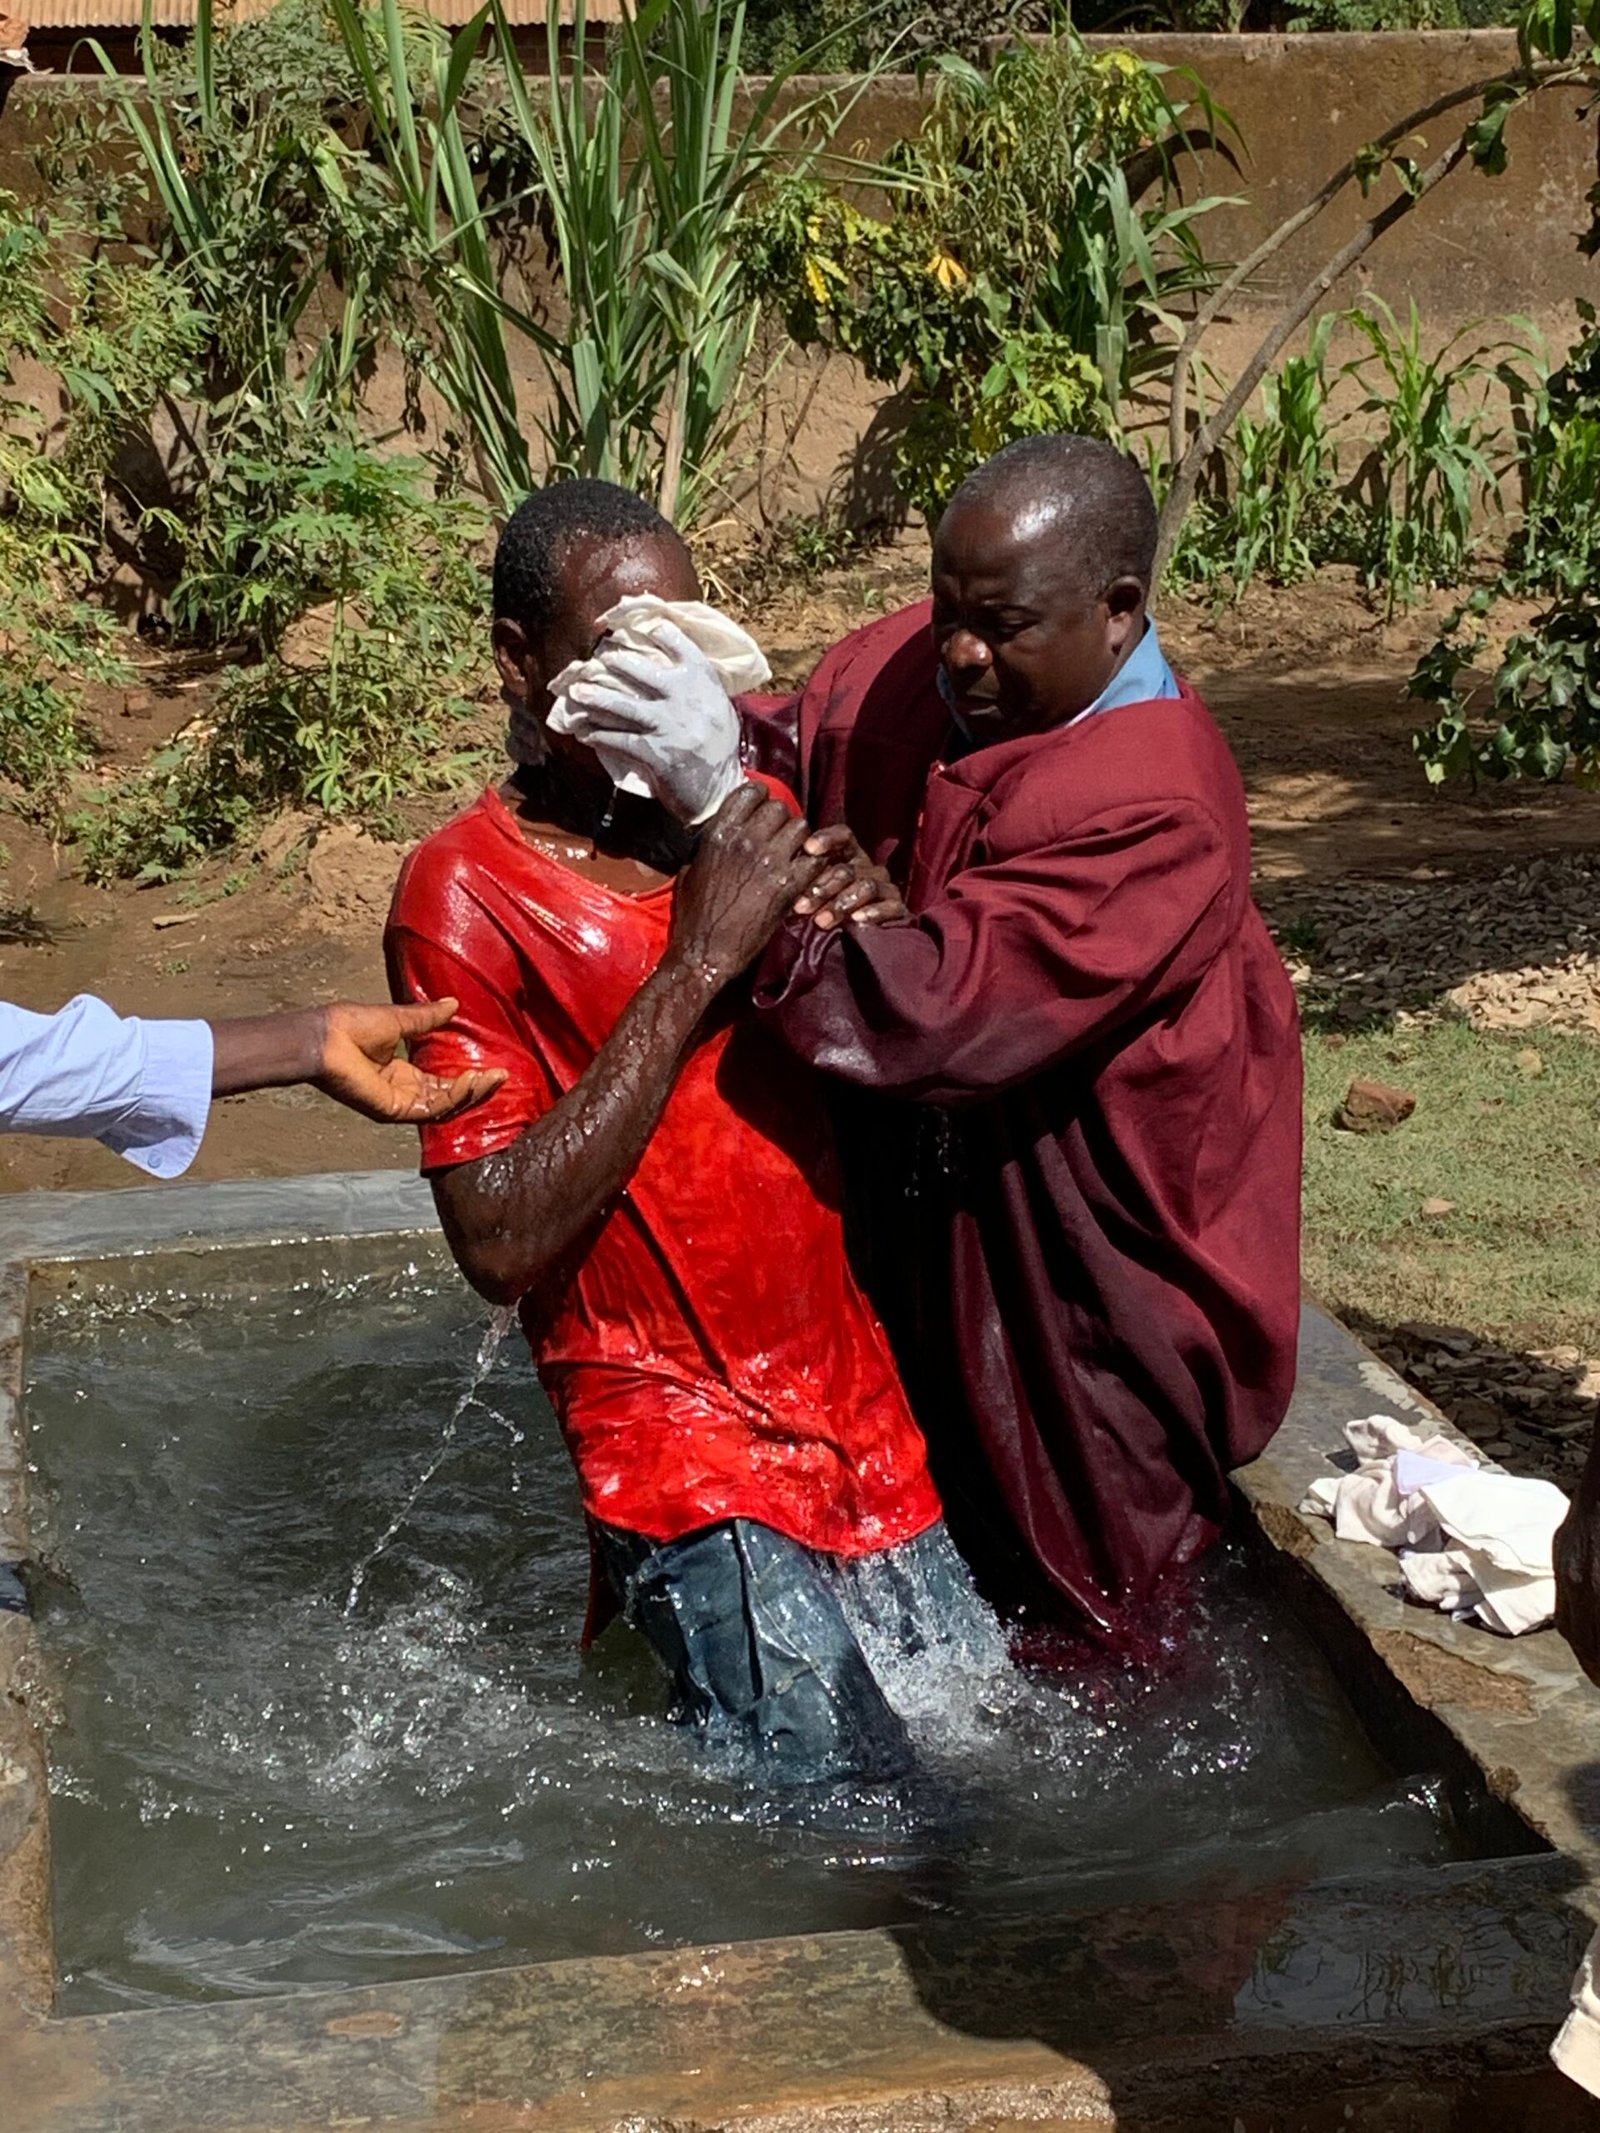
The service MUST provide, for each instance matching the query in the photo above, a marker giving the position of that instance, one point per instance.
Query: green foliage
(358, 592)
(250, 137)
(1273, 511)
(336, 572)
(1542, 719)
(110, 334)
(1025, 275)
(842, 37)
(1431, 464)
(1368, 15)
(642, 165)
(1557, 547)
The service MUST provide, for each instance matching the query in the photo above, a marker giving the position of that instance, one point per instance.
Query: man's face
(1026, 637)
(594, 575)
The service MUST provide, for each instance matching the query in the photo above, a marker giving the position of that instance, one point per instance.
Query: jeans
(762, 1656)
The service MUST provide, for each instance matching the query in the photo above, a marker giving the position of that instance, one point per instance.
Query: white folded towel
(632, 624)
(1471, 1539)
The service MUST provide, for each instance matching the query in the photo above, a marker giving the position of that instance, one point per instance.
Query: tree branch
(1187, 456)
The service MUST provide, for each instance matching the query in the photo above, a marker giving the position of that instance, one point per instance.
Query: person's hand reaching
(359, 1064)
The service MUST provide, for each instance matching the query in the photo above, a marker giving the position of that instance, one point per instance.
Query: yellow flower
(816, 280)
(947, 272)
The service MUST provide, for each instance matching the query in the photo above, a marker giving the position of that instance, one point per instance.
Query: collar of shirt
(1142, 678)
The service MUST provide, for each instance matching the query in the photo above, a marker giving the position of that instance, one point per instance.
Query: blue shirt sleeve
(143, 1088)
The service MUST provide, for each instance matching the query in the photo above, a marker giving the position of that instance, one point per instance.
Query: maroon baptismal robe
(1082, 1197)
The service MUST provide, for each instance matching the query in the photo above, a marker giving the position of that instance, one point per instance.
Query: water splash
(501, 1319)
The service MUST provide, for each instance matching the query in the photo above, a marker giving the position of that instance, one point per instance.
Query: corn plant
(1432, 473)
(1270, 511)
(1557, 546)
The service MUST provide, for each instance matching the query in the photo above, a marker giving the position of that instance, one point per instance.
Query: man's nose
(966, 650)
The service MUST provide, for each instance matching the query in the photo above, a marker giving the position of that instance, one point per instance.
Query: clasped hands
(670, 720)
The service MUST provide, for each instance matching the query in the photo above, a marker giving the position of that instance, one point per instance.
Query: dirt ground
(1307, 685)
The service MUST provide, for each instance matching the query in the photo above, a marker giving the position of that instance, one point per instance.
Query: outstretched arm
(514, 1216)
(144, 1087)
(351, 1053)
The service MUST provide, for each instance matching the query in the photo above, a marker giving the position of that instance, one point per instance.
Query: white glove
(654, 706)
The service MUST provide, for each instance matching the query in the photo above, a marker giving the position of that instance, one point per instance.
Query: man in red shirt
(1075, 1072)
(654, 1183)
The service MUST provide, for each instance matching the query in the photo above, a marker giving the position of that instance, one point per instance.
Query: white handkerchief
(634, 624)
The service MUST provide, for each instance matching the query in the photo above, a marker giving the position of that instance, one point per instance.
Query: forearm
(890, 1008)
(512, 1218)
(267, 1051)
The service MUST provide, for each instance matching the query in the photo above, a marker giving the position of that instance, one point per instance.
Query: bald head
(1041, 566)
(1090, 501)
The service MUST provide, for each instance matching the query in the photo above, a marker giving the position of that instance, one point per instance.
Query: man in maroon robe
(1072, 1077)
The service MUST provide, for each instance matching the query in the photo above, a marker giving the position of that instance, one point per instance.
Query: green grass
(1518, 1258)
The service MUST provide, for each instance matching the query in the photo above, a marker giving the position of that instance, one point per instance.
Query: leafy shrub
(843, 35)
(1025, 275)
(251, 136)
(111, 334)
(1557, 546)
(1545, 694)
(1543, 715)
(360, 597)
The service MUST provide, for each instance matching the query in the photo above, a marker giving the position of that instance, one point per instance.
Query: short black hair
(534, 542)
(1099, 494)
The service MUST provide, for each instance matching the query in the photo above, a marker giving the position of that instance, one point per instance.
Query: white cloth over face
(634, 625)
(1471, 1539)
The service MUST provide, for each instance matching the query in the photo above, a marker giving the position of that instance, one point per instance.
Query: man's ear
(512, 657)
(1124, 600)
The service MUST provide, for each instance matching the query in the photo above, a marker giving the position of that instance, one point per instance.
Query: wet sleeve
(485, 1031)
(1018, 965)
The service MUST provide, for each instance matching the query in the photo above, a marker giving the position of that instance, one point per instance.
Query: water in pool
(258, 1788)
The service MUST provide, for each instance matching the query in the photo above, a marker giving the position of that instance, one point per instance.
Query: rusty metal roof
(179, 14)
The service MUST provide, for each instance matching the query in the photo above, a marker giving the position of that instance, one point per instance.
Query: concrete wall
(1302, 104)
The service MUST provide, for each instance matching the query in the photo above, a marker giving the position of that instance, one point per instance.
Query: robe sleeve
(1016, 966)
(769, 737)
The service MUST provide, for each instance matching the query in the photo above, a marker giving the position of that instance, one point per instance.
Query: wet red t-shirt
(712, 1356)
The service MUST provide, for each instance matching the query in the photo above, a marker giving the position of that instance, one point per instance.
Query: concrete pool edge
(901, 2039)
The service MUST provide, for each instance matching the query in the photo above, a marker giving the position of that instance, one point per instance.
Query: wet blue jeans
(762, 1656)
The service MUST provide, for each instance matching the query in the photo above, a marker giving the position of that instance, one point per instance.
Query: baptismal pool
(277, 1765)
